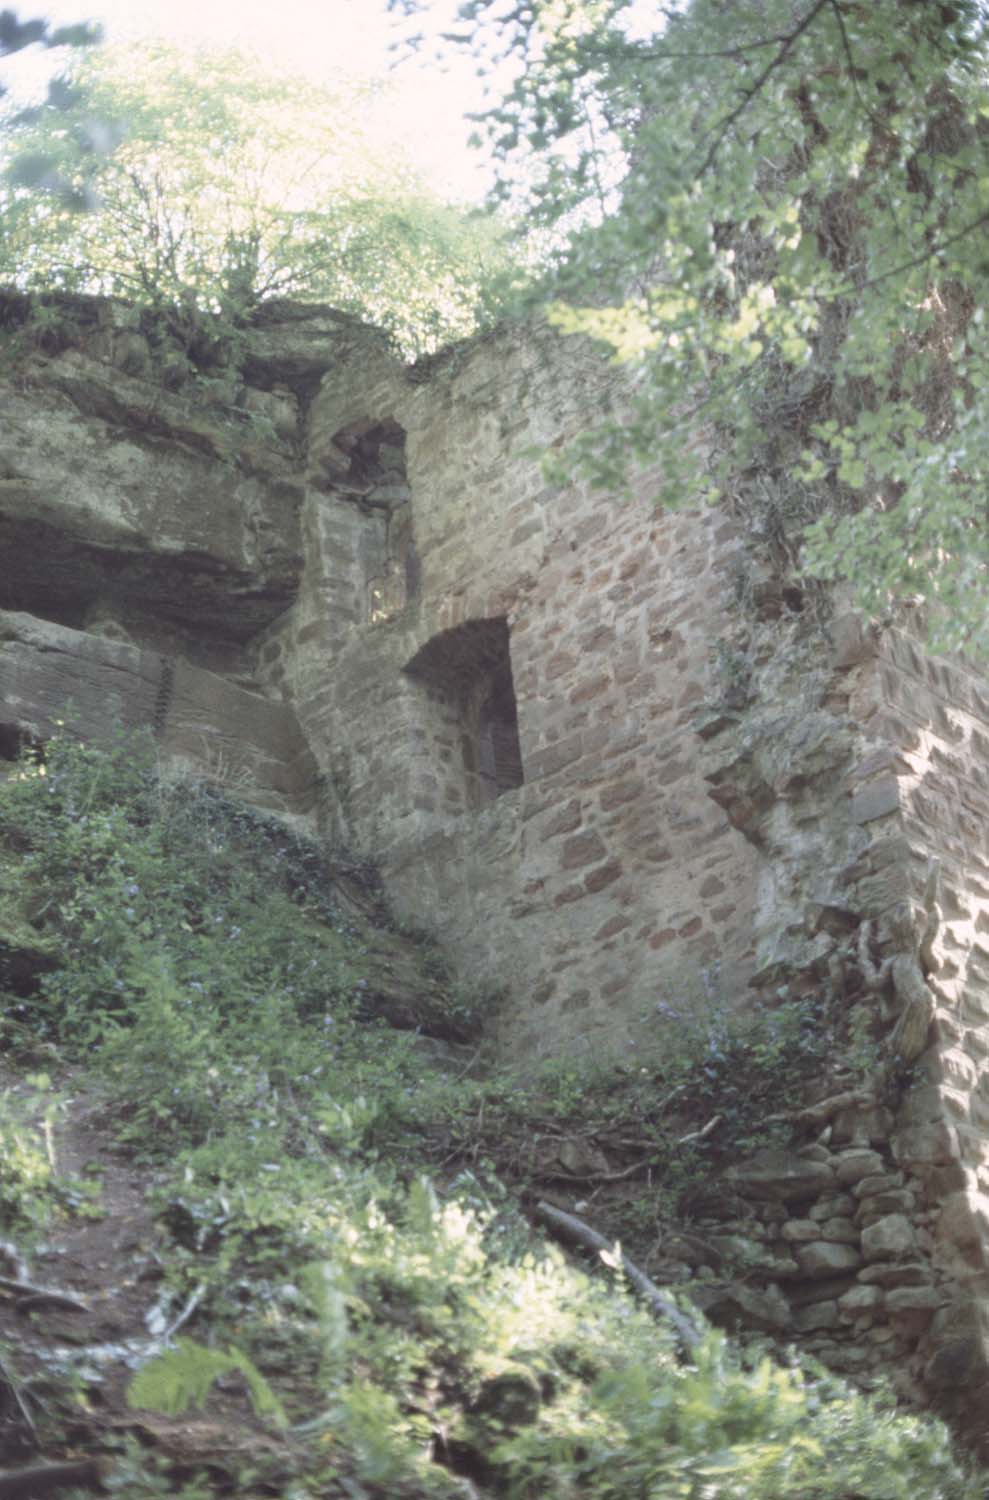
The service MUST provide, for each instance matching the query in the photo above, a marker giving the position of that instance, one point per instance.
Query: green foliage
(32, 1190)
(38, 169)
(195, 953)
(730, 1430)
(27, 1177)
(774, 217)
(219, 185)
(183, 1376)
(408, 1332)
(440, 1329)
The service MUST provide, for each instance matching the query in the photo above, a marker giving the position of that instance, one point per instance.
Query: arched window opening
(468, 674)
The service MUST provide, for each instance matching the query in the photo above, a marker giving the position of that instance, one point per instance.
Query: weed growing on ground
(412, 1336)
(28, 1184)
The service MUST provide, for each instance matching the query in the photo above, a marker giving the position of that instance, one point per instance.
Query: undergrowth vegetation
(342, 1229)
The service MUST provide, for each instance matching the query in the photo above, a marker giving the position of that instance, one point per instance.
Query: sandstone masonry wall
(858, 761)
(608, 882)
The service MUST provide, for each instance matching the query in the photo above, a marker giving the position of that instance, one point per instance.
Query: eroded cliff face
(617, 769)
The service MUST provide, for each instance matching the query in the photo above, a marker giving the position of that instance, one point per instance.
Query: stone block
(825, 1258)
(605, 875)
(957, 1364)
(860, 1299)
(853, 640)
(817, 1315)
(781, 1176)
(833, 1205)
(824, 1289)
(565, 819)
(881, 1182)
(875, 800)
(897, 1200)
(801, 1231)
(890, 1238)
(896, 1273)
(964, 1223)
(935, 1144)
(852, 1166)
(914, 1299)
(839, 1229)
(583, 849)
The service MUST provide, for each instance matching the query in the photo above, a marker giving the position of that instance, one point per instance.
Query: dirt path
(83, 1307)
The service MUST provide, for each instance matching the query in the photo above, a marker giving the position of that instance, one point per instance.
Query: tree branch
(786, 45)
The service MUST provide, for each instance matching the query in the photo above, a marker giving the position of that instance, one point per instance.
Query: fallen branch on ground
(556, 1174)
(820, 1113)
(568, 1227)
(700, 1135)
(44, 1479)
(37, 1296)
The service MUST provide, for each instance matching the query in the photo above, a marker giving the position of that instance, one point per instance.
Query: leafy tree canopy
(775, 213)
(213, 184)
(16, 34)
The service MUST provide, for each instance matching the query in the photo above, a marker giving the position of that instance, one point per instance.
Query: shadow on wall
(470, 713)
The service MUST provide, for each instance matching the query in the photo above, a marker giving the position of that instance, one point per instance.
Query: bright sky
(426, 110)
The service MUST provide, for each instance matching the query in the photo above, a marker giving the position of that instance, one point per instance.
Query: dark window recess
(368, 460)
(468, 674)
(366, 464)
(11, 741)
(499, 757)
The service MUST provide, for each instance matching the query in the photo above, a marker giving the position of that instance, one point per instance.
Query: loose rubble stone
(735, 1305)
(753, 1255)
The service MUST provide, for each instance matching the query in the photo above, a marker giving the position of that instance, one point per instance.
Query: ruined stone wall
(859, 768)
(936, 715)
(607, 882)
